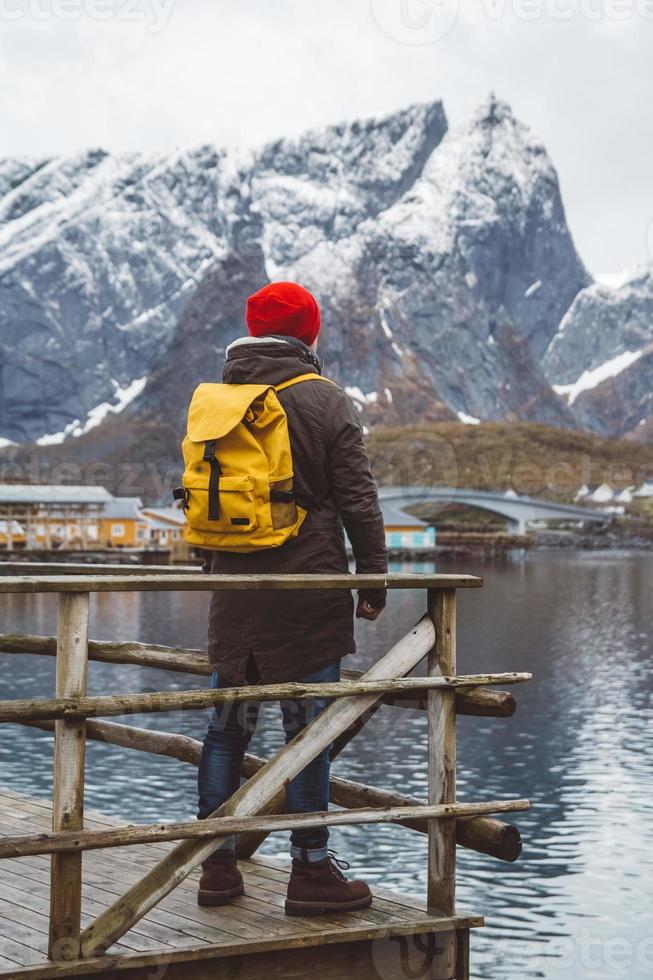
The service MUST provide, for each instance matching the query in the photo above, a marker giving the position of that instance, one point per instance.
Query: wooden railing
(256, 809)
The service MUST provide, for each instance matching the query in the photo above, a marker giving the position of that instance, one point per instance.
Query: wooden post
(47, 529)
(68, 779)
(441, 713)
(83, 527)
(462, 954)
(30, 536)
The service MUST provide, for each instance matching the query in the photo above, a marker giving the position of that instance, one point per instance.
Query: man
(272, 636)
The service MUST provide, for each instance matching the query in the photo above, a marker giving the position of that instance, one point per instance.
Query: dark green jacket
(281, 635)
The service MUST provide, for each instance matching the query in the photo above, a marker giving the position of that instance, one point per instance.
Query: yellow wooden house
(121, 525)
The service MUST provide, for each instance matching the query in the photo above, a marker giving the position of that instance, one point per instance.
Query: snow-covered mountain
(601, 359)
(454, 288)
(441, 258)
(98, 256)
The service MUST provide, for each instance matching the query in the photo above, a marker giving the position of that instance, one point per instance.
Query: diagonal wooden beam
(487, 835)
(248, 843)
(255, 794)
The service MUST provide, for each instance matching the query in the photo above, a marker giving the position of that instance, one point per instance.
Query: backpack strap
(316, 503)
(303, 377)
(214, 480)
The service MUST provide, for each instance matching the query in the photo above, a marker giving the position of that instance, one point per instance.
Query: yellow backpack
(237, 491)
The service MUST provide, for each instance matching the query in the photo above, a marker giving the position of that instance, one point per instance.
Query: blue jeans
(229, 733)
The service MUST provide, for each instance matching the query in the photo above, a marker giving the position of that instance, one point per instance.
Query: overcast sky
(153, 74)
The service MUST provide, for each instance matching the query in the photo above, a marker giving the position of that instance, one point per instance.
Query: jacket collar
(272, 359)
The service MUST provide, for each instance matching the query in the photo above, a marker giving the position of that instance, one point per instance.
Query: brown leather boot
(321, 887)
(221, 880)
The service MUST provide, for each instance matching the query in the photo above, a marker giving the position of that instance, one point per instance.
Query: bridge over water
(517, 509)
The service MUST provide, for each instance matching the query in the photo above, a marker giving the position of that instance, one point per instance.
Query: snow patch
(468, 419)
(5, 442)
(591, 379)
(360, 396)
(615, 280)
(388, 395)
(384, 325)
(97, 415)
(533, 288)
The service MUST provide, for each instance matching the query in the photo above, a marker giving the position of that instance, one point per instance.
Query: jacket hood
(268, 360)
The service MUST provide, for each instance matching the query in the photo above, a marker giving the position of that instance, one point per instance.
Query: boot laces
(336, 864)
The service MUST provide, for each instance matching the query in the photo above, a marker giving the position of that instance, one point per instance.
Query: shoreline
(506, 546)
(455, 544)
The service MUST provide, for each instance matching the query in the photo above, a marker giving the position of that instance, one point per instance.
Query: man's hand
(365, 610)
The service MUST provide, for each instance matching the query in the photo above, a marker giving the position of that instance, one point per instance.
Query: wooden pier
(129, 910)
(180, 933)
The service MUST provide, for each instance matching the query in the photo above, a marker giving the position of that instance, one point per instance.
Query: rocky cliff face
(474, 252)
(441, 259)
(601, 358)
(98, 256)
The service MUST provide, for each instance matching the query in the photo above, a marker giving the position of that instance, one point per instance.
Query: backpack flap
(216, 409)
(219, 497)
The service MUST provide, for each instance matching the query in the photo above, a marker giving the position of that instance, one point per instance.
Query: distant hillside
(529, 458)
(141, 456)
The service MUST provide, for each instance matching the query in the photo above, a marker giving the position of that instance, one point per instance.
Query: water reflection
(578, 904)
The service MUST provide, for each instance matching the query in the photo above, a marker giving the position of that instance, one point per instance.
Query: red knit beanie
(284, 308)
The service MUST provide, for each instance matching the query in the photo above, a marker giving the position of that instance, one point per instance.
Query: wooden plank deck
(250, 937)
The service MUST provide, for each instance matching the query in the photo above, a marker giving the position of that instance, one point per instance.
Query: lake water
(579, 902)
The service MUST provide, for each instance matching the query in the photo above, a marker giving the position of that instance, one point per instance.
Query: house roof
(394, 517)
(27, 493)
(123, 508)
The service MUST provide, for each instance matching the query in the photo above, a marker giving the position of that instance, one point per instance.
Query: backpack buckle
(181, 493)
(282, 496)
(209, 450)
